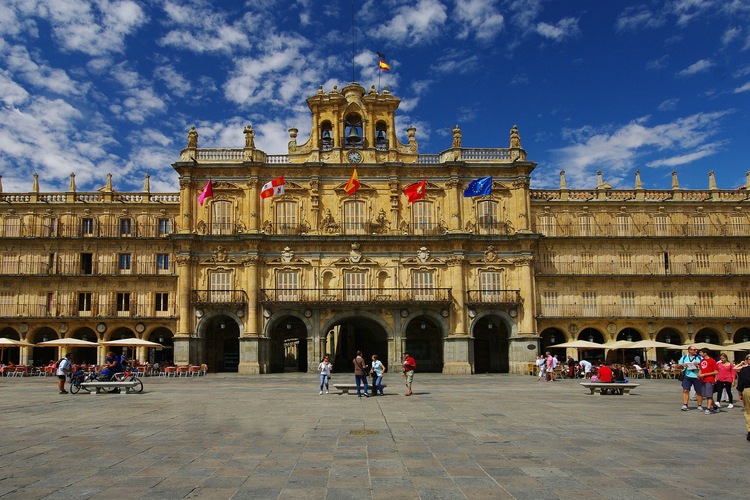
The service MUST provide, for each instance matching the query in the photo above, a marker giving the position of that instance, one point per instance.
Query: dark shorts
(707, 390)
(61, 377)
(688, 382)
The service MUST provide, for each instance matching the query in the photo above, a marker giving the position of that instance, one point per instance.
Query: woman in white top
(324, 368)
(378, 368)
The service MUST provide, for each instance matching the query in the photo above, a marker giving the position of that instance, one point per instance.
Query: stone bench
(102, 387)
(620, 389)
(345, 388)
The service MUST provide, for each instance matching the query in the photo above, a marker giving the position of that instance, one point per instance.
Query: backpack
(59, 362)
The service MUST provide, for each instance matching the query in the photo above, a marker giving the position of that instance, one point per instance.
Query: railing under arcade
(493, 297)
(361, 296)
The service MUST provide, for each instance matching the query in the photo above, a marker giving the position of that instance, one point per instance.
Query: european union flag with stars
(478, 187)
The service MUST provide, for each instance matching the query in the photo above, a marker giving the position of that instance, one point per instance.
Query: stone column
(249, 353)
(457, 341)
(252, 206)
(184, 321)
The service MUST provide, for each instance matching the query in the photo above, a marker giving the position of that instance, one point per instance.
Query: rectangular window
(123, 303)
(161, 303)
(490, 286)
(585, 224)
(626, 262)
(700, 225)
(423, 283)
(9, 264)
(423, 217)
(126, 228)
(286, 217)
(287, 285)
(666, 304)
(661, 225)
(50, 304)
(738, 226)
(162, 263)
(587, 263)
(590, 307)
(741, 262)
(8, 304)
(123, 263)
(87, 226)
(550, 305)
(548, 225)
(221, 217)
(49, 226)
(702, 261)
(87, 263)
(548, 262)
(624, 225)
(487, 217)
(84, 304)
(355, 284)
(219, 286)
(743, 298)
(706, 299)
(12, 227)
(627, 304)
(354, 217)
(164, 227)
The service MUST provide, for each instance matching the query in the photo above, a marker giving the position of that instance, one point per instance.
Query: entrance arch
(490, 345)
(221, 343)
(423, 340)
(348, 335)
(288, 348)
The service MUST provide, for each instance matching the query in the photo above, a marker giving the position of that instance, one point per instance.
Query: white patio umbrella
(651, 344)
(133, 342)
(6, 343)
(710, 347)
(579, 344)
(742, 345)
(68, 342)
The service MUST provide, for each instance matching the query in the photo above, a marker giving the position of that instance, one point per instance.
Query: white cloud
(140, 101)
(39, 74)
(730, 35)
(197, 27)
(697, 67)
(11, 93)
(635, 17)
(615, 150)
(480, 17)
(565, 28)
(668, 105)
(413, 24)
(742, 88)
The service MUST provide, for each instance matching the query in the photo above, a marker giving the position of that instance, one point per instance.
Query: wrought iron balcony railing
(363, 296)
(493, 297)
(219, 297)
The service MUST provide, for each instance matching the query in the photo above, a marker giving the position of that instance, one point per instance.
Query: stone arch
(491, 331)
(348, 332)
(218, 346)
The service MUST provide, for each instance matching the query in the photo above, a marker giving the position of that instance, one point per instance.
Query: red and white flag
(272, 188)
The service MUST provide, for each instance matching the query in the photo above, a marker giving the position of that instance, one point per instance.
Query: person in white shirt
(541, 365)
(586, 368)
(64, 367)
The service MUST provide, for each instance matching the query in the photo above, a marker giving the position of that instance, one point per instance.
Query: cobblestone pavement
(272, 436)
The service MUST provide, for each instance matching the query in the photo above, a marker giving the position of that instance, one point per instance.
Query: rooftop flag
(208, 192)
(383, 65)
(272, 188)
(479, 187)
(415, 191)
(353, 185)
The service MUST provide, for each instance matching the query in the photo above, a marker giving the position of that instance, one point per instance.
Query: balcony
(493, 297)
(355, 296)
(233, 298)
(642, 311)
(674, 268)
(614, 230)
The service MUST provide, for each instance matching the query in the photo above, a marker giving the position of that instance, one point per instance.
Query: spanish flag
(353, 184)
(383, 65)
(415, 191)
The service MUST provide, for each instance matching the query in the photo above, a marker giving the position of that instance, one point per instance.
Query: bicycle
(129, 375)
(78, 377)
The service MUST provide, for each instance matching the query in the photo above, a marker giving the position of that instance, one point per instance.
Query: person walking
(64, 367)
(707, 373)
(324, 368)
(360, 374)
(724, 380)
(408, 373)
(690, 365)
(377, 370)
(743, 386)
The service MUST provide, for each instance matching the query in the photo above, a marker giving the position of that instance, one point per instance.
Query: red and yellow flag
(353, 184)
(383, 65)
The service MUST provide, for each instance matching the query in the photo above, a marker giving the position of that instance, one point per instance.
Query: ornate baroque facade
(467, 285)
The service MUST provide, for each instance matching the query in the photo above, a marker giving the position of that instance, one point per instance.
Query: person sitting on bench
(605, 375)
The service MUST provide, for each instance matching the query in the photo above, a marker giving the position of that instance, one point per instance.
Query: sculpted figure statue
(192, 138)
(249, 136)
(456, 137)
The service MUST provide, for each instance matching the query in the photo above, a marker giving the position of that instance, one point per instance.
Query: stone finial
(35, 184)
(456, 137)
(1, 183)
(600, 184)
(108, 185)
(320, 90)
(72, 186)
(412, 133)
(515, 139)
(675, 182)
(712, 180)
(563, 185)
(249, 136)
(192, 138)
(147, 184)
(638, 184)
(747, 181)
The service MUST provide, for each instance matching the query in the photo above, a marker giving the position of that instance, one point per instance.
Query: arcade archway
(490, 345)
(350, 335)
(221, 344)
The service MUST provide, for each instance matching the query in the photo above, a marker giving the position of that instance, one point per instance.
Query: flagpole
(354, 49)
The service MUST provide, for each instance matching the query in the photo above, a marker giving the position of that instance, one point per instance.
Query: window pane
(221, 217)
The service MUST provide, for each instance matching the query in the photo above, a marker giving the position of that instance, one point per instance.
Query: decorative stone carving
(267, 227)
(192, 138)
(457, 137)
(381, 224)
(287, 255)
(355, 255)
(423, 254)
(201, 227)
(489, 254)
(328, 224)
(249, 136)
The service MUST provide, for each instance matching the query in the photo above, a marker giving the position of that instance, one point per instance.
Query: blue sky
(113, 86)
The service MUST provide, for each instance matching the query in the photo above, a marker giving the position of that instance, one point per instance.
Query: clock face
(354, 156)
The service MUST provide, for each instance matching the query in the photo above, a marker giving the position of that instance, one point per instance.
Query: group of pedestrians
(703, 374)
(362, 370)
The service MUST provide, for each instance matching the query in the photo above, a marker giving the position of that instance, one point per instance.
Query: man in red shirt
(707, 374)
(605, 374)
(408, 373)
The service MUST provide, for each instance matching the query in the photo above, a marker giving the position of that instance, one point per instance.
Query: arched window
(221, 217)
(354, 217)
(381, 137)
(353, 131)
(326, 136)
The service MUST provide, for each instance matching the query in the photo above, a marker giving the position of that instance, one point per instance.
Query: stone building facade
(465, 284)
